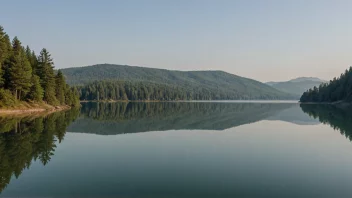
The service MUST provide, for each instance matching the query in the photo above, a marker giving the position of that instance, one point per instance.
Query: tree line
(24, 76)
(338, 89)
(143, 90)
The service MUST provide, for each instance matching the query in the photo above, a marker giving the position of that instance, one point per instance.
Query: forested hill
(189, 84)
(338, 89)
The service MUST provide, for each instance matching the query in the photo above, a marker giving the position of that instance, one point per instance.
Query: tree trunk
(19, 126)
(16, 127)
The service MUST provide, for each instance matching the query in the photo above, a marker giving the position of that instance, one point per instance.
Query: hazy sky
(260, 39)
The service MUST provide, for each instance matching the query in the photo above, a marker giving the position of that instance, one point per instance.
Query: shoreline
(264, 101)
(339, 104)
(28, 109)
(86, 101)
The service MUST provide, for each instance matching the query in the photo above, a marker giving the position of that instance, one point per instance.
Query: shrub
(6, 98)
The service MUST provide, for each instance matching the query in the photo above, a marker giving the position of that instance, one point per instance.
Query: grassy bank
(31, 107)
(83, 101)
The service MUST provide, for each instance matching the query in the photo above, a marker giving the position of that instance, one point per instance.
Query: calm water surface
(179, 150)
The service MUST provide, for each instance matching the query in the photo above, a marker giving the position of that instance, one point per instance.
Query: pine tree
(36, 92)
(2, 76)
(45, 71)
(2, 81)
(60, 87)
(5, 49)
(16, 46)
(32, 58)
(75, 97)
(6, 63)
(28, 53)
(2, 55)
(5, 45)
(20, 71)
(34, 62)
(68, 95)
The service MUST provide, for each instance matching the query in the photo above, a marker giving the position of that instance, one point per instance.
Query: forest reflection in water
(119, 118)
(339, 119)
(34, 138)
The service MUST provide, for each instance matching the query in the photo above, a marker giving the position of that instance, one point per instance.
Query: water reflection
(118, 118)
(24, 139)
(266, 158)
(338, 118)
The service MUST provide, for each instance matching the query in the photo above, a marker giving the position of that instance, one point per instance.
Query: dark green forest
(27, 139)
(338, 89)
(121, 82)
(24, 76)
(127, 90)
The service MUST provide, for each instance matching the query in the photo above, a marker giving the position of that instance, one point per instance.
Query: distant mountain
(296, 86)
(303, 79)
(214, 84)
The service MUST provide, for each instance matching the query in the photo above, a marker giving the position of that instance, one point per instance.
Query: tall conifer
(45, 71)
(5, 49)
(20, 71)
(60, 87)
(32, 58)
(68, 95)
(36, 92)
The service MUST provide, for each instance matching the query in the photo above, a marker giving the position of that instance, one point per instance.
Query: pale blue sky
(261, 39)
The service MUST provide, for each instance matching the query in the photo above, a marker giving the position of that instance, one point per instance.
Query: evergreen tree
(20, 71)
(2, 81)
(2, 76)
(34, 62)
(28, 53)
(75, 97)
(68, 95)
(5, 45)
(60, 87)
(32, 58)
(3, 53)
(36, 93)
(16, 46)
(5, 64)
(46, 73)
(5, 49)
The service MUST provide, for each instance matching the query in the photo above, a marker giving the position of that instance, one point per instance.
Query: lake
(179, 149)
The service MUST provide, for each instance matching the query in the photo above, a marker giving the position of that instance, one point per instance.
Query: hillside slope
(296, 86)
(209, 81)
